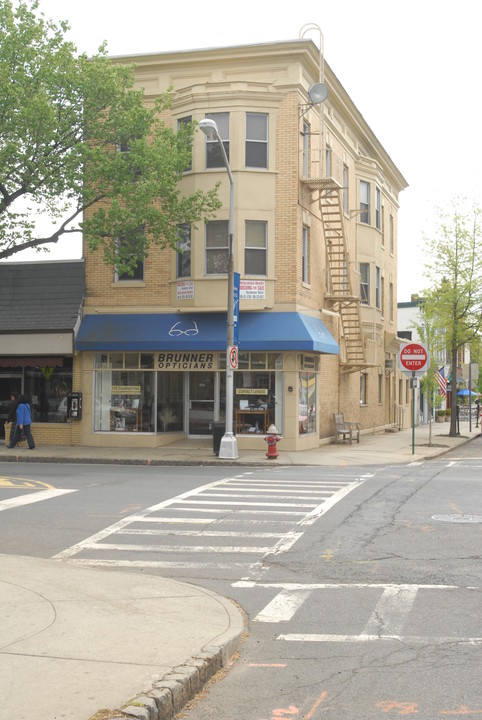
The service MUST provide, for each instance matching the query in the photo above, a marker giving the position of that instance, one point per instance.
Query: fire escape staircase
(340, 293)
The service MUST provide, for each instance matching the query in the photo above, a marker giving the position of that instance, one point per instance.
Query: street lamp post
(229, 444)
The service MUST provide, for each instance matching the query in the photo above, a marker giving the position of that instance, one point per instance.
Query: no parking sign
(233, 357)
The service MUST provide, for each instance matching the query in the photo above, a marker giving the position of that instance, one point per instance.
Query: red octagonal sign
(414, 357)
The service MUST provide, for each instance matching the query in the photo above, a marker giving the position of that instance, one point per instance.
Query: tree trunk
(453, 398)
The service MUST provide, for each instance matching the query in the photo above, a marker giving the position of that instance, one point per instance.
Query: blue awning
(204, 331)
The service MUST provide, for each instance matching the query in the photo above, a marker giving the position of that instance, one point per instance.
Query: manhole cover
(458, 518)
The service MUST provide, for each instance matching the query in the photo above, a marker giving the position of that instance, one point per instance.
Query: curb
(171, 693)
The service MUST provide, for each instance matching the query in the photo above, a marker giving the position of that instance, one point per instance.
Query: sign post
(414, 360)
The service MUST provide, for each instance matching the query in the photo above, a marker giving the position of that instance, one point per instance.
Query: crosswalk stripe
(178, 548)
(39, 496)
(391, 611)
(283, 606)
(406, 639)
(202, 533)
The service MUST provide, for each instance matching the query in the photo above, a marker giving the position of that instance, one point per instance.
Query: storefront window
(307, 404)
(255, 401)
(124, 401)
(131, 396)
(46, 387)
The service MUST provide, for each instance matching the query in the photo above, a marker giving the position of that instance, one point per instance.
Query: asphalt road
(362, 585)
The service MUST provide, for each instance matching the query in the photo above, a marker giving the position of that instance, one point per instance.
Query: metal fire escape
(340, 289)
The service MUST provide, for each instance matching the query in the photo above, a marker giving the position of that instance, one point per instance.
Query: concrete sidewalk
(374, 448)
(76, 640)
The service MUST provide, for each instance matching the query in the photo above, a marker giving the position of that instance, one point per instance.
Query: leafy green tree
(455, 272)
(80, 146)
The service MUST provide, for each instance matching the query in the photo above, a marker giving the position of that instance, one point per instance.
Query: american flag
(439, 376)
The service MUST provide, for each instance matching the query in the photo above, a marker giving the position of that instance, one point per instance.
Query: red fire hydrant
(272, 439)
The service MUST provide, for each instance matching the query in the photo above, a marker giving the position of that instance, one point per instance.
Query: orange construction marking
(404, 708)
(317, 703)
(463, 710)
(280, 712)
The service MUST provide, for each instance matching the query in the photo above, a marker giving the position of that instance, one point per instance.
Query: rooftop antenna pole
(321, 78)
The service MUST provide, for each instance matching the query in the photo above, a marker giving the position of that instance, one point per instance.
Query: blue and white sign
(236, 307)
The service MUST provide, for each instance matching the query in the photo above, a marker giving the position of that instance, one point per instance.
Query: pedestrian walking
(12, 416)
(24, 421)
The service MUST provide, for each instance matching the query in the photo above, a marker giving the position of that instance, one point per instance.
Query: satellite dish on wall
(317, 93)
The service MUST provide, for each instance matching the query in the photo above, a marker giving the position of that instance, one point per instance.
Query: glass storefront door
(201, 403)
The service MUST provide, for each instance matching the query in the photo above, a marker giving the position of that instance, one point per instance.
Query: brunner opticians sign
(186, 361)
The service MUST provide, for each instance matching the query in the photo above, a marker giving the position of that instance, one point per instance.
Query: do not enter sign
(414, 357)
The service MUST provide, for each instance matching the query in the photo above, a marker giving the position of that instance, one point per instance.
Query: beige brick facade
(273, 80)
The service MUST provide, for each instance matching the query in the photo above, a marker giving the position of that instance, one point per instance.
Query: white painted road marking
(391, 610)
(406, 639)
(258, 500)
(283, 606)
(33, 498)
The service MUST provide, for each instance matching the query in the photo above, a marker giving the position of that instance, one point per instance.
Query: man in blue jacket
(24, 420)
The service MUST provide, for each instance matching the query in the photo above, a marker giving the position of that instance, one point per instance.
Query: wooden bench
(345, 429)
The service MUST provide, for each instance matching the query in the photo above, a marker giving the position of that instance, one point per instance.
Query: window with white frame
(345, 189)
(383, 226)
(382, 295)
(214, 156)
(255, 247)
(306, 149)
(365, 283)
(129, 253)
(378, 288)
(217, 247)
(256, 140)
(305, 261)
(364, 202)
(363, 388)
(183, 252)
(391, 238)
(378, 209)
(328, 162)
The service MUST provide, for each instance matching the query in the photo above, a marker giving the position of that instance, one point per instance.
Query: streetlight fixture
(229, 445)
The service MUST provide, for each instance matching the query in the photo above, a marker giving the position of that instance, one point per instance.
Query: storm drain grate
(458, 518)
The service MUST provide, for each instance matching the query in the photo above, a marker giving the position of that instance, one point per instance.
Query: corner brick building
(316, 198)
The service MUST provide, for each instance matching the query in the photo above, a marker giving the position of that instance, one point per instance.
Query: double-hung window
(345, 189)
(378, 291)
(256, 140)
(183, 253)
(214, 155)
(129, 252)
(378, 209)
(305, 260)
(363, 388)
(255, 248)
(365, 283)
(365, 202)
(217, 247)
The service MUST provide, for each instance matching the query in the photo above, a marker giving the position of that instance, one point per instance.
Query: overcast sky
(412, 68)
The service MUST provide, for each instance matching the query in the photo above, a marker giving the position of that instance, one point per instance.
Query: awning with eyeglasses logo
(264, 331)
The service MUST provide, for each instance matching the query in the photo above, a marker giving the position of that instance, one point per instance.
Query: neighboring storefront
(40, 310)
(157, 375)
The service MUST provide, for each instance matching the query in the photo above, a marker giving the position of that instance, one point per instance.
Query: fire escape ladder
(341, 288)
